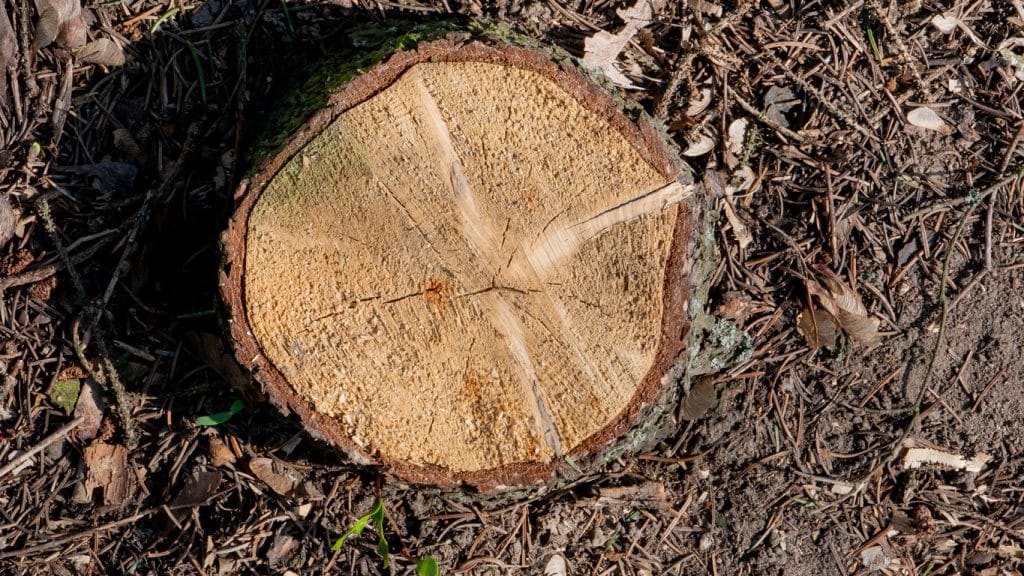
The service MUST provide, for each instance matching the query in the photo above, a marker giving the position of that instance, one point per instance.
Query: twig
(763, 118)
(1011, 149)
(961, 200)
(906, 60)
(42, 445)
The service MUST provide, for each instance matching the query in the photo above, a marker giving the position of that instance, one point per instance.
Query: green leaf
(199, 70)
(427, 567)
(221, 417)
(377, 515)
(382, 542)
(288, 17)
(64, 394)
(355, 530)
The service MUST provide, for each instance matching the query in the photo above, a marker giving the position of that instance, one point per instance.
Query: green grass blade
(199, 70)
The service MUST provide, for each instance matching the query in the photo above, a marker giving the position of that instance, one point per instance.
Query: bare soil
(120, 180)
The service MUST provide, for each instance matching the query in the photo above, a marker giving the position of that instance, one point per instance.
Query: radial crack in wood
(466, 271)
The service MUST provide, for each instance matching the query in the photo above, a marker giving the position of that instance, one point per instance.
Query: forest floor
(885, 144)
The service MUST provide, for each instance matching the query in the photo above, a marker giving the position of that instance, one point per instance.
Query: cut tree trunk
(470, 267)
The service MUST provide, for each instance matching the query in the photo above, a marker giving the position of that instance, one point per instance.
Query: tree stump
(470, 267)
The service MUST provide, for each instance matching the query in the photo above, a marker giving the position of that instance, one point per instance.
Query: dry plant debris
(768, 480)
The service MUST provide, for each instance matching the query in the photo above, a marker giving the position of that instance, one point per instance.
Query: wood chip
(651, 494)
(917, 457)
(89, 408)
(107, 469)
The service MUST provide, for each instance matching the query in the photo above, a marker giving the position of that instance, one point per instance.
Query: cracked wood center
(465, 271)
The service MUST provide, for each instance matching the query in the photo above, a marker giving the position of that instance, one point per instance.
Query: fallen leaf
(60, 20)
(735, 306)
(8, 54)
(89, 408)
(220, 454)
(280, 478)
(836, 297)
(8, 218)
(945, 23)
(925, 117)
(107, 469)
(699, 103)
(916, 457)
(283, 548)
(1014, 60)
(198, 489)
(125, 142)
(740, 181)
(777, 102)
(874, 558)
(734, 142)
(702, 397)
(556, 566)
(818, 327)
(701, 146)
(104, 51)
(601, 50)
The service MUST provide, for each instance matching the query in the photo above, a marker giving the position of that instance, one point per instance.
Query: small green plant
(377, 515)
(64, 394)
(973, 198)
(221, 417)
(426, 566)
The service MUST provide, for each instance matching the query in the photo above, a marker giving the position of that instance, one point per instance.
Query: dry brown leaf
(284, 547)
(8, 218)
(777, 102)
(8, 50)
(836, 297)
(601, 50)
(735, 306)
(925, 117)
(220, 454)
(60, 20)
(198, 489)
(104, 52)
(89, 408)
(818, 327)
(701, 398)
(279, 477)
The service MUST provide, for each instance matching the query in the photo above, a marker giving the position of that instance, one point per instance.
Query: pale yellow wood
(466, 270)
